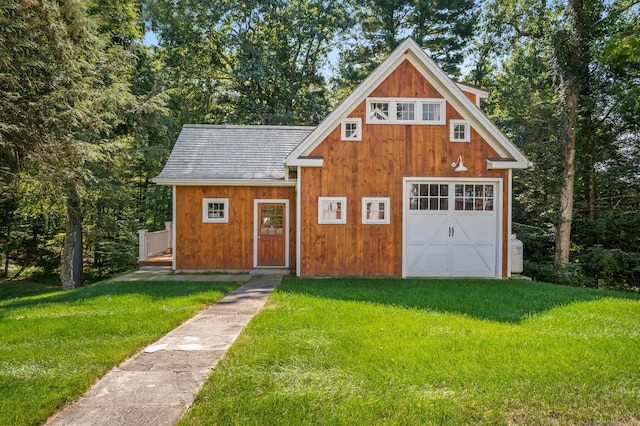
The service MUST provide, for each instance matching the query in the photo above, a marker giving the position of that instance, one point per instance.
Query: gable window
(351, 129)
(215, 210)
(378, 111)
(460, 131)
(332, 210)
(403, 110)
(375, 210)
(433, 111)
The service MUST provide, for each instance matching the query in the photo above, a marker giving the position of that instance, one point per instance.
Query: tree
(441, 27)
(256, 62)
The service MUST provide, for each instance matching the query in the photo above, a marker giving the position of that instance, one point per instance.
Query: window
(432, 112)
(332, 210)
(375, 210)
(378, 111)
(460, 131)
(429, 196)
(215, 210)
(403, 110)
(474, 197)
(351, 129)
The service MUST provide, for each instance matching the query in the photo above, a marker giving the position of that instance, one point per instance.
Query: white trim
(480, 94)
(467, 130)
(502, 165)
(173, 230)
(343, 211)
(205, 210)
(306, 162)
(256, 227)
(231, 182)
(411, 51)
(509, 201)
(298, 218)
(343, 129)
(498, 204)
(387, 213)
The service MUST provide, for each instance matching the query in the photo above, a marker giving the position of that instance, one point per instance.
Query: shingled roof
(209, 153)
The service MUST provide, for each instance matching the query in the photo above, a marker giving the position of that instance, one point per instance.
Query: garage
(450, 228)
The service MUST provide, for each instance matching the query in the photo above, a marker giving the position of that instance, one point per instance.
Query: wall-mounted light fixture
(459, 166)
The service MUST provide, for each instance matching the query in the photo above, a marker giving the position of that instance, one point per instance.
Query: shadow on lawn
(156, 290)
(509, 301)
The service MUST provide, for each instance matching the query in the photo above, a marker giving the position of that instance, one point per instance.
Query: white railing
(155, 243)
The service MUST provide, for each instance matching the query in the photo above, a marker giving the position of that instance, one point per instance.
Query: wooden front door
(272, 234)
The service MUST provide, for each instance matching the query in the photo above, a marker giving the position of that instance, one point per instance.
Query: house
(406, 177)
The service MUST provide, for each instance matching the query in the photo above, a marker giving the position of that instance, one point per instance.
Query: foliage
(427, 352)
(46, 363)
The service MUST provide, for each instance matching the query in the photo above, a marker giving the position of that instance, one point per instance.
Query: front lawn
(54, 346)
(456, 352)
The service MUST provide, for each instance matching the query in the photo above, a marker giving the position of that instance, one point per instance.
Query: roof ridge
(248, 126)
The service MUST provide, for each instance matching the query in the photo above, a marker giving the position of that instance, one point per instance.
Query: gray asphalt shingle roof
(214, 152)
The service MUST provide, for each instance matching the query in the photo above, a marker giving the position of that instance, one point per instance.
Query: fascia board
(222, 182)
(306, 162)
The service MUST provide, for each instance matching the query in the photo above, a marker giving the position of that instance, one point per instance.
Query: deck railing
(155, 243)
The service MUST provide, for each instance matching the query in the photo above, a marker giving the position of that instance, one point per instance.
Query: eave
(224, 182)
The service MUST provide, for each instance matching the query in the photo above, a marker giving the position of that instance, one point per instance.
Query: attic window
(460, 131)
(352, 129)
(378, 111)
(215, 210)
(406, 110)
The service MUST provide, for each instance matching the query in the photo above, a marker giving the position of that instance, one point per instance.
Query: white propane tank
(517, 255)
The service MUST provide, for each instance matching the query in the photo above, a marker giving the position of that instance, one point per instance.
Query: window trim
(343, 209)
(205, 210)
(366, 200)
(467, 132)
(343, 129)
(417, 111)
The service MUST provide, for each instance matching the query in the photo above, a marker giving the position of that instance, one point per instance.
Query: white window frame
(343, 210)
(397, 112)
(417, 111)
(366, 200)
(358, 134)
(467, 131)
(205, 210)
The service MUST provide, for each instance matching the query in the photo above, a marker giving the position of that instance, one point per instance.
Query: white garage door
(450, 229)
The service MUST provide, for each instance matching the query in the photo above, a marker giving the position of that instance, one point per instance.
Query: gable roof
(411, 51)
(213, 154)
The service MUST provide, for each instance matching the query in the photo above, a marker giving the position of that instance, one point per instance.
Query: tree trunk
(565, 198)
(71, 268)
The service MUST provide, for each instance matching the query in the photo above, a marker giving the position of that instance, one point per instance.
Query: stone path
(157, 385)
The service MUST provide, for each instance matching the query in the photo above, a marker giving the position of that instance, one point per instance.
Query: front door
(271, 234)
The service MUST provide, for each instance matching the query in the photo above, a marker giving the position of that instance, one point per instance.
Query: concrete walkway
(157, 385)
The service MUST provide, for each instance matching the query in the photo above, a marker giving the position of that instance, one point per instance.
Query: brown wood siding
(375, 167)
(224, 246)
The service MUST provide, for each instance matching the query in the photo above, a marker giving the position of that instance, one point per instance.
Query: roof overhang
(306, 162)
(224, 182)
(507, 163)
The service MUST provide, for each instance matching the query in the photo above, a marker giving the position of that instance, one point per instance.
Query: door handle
(453, 231)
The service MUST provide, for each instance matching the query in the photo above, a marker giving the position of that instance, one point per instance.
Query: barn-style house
(406, 177)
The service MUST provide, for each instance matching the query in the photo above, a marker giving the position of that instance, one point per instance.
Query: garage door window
(429, 196)
(474, 197)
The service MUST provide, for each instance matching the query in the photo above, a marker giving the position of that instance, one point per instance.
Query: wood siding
(375, 167)
(224, 246)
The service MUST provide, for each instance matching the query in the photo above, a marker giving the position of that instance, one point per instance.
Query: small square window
(405, 111)
(352, 129)
(460, 131)
(332, 210)
(215, 210)
(375, 210)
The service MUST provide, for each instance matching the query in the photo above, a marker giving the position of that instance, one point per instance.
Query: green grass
(54, 346)
(420, 352)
